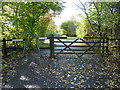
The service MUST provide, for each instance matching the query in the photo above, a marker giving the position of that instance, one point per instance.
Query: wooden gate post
(25, 44)
(14, 43)
(107, 41)
(103, 47)
(52, 46)
(118, 43)
(4, 47)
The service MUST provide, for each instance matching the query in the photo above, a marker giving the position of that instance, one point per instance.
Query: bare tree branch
(98, 16)
(110, 9)
(84, 10)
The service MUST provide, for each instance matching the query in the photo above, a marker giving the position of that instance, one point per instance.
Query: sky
(69, 11)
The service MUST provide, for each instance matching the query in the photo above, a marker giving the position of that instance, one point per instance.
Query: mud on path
(67, 71)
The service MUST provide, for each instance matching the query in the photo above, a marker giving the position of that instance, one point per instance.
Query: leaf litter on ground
(87, 72)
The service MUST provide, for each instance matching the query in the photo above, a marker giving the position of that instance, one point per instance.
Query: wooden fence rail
(5, 47)
(100, 45)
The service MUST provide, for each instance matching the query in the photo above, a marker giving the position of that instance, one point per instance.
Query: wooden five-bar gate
(76, 45)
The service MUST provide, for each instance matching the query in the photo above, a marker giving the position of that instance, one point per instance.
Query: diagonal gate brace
(67, 46)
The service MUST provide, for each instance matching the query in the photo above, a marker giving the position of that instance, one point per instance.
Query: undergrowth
(114, 62)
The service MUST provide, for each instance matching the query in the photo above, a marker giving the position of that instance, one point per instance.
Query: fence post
(4, 47)
(51, 46)
(107, 41)
(14, 43)
(103, 48)
(37, 44)
(118, 46)
(25, 44)
(103, 42)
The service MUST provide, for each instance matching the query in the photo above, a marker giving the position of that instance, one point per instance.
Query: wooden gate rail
(5, 48)
(68, 47)
(89, 46)
(51, 38)
(78, 46)
(77, 42)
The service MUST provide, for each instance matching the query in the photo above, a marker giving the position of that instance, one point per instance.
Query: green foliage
(68, 28)
(102, 17)
(19, 18)
(4, 67)
(83, 27)
(52, 28)
(102, 20)
(49, 32)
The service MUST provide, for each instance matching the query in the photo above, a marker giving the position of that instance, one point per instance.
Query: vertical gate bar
(25, 44)
(107, 40)
(52, 46)
(14, 43)
(101, 41)
(37, 44)
(100, 45)
(118, 43)
(103, 48)
(4, 46)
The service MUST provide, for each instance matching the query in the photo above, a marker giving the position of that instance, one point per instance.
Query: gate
(71, 45)
(79, 45)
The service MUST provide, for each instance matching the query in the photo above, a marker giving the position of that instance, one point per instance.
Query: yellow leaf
(64, 80)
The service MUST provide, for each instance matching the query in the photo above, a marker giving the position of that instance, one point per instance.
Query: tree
(83, 28)
(103, 18)
(19, 18)
(52, 28)
(68, 28)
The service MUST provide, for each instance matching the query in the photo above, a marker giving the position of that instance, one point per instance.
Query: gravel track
(67, 71)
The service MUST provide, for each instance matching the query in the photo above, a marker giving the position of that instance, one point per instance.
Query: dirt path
(67, 71)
